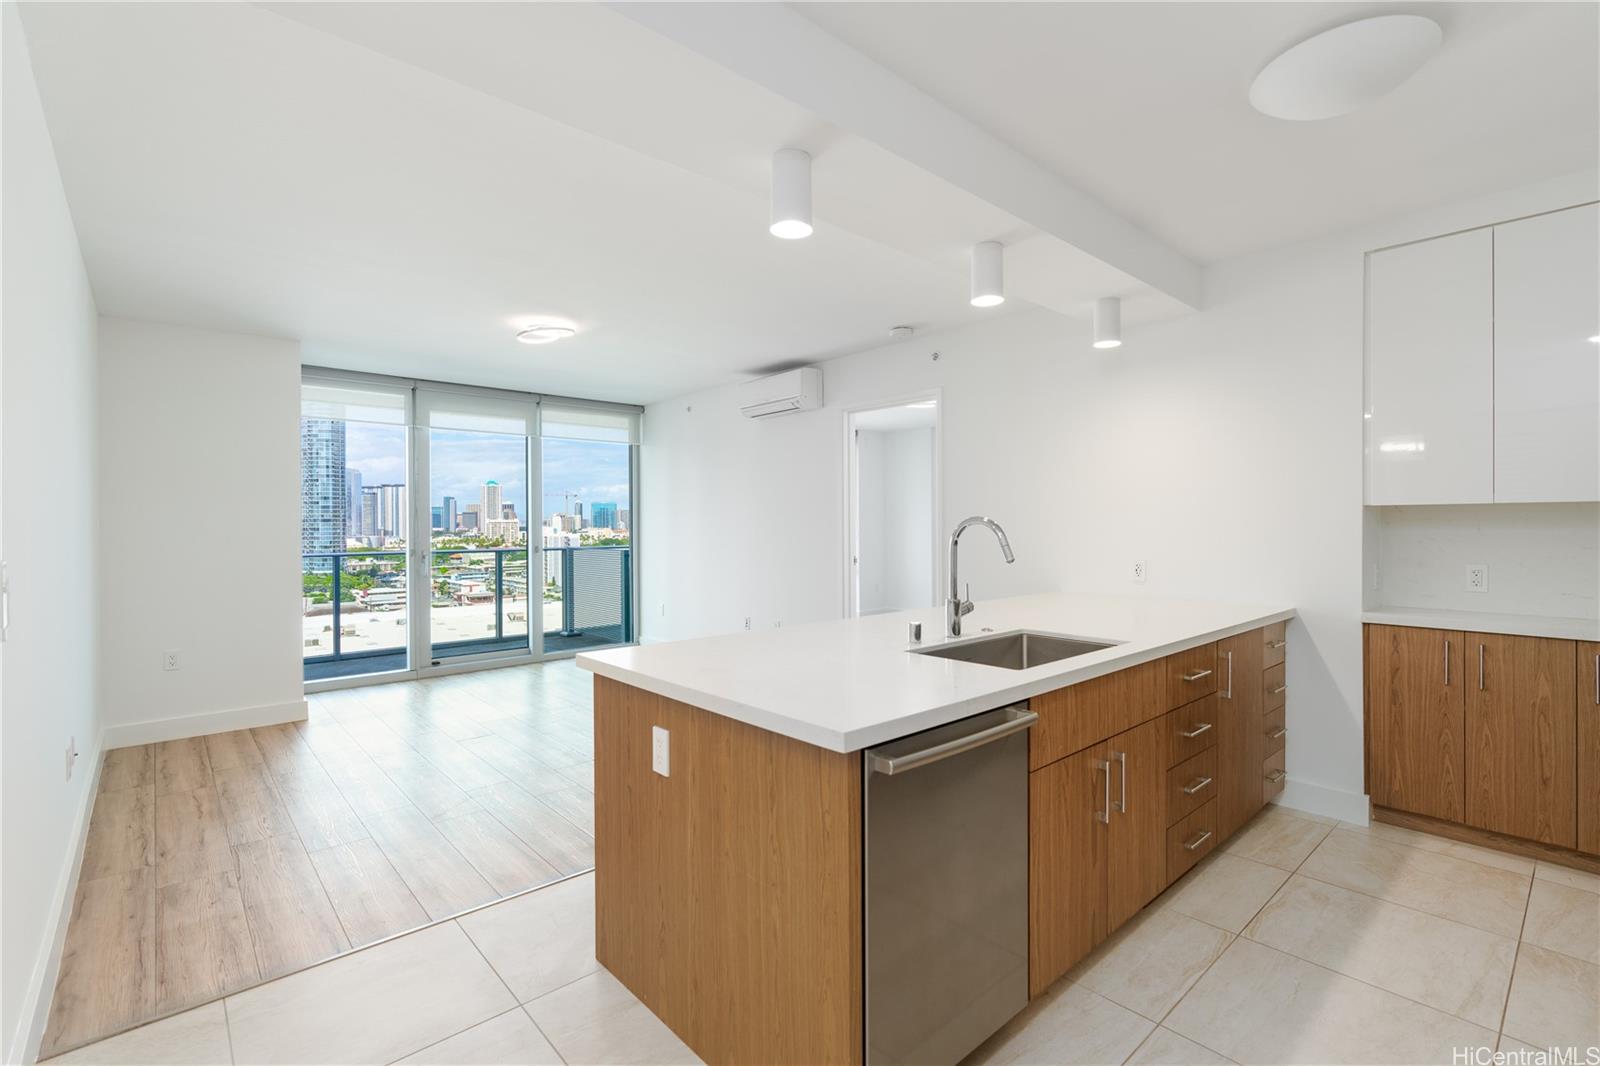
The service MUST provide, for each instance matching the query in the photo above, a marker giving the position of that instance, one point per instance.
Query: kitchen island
(729, 889)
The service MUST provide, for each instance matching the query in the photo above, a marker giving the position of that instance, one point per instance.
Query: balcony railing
(356, 604)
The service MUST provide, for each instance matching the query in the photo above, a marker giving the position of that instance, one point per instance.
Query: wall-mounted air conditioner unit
(782, 394)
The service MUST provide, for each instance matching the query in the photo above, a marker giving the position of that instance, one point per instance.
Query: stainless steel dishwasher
(946, 887)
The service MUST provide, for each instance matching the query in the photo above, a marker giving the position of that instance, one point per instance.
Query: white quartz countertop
(1526, 625)
(848, 684)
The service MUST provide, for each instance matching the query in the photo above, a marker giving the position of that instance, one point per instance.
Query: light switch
(659, 760)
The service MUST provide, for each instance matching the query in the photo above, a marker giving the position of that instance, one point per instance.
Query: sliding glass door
(587, 470)
(447, 526)
(476, 452)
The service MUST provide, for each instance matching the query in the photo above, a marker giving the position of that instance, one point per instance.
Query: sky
(461, 462)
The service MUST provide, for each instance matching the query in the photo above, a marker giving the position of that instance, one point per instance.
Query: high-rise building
(579, 514)
(436, 516)
(624, 517)
(489, 509)
(508, 530)
(603, 516)
(471, 518)
(352, 487)
(508, 510)
(449, 503)
(392, 521)
(369, 513)
(323, 500)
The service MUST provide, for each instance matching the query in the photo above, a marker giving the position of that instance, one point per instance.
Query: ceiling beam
(776, 47)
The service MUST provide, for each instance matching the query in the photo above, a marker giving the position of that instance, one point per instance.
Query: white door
(1430, 372)
(893, 505)
(1547, 357)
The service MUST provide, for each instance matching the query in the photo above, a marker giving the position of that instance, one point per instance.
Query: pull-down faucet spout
(956, 606)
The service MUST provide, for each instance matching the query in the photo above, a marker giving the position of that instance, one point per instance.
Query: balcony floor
(554, 644)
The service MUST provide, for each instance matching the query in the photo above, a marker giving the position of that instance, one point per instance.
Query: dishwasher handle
(1016, 720)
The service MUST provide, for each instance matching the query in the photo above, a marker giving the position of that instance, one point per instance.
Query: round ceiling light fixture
(1344, 68)
(545, 334)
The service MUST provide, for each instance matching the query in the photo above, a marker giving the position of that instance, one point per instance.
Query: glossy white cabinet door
(1430, 371)
(1546, 370)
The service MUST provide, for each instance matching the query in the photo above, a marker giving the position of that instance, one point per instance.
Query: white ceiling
(1145, 107)
(401, 185)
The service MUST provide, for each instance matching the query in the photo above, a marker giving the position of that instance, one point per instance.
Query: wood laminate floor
(216, 863)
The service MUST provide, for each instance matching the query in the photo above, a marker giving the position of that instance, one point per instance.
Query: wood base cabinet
(1522, 737)
(1240, 660)
(1589, 748)
(1486, 730)
(1416, 720)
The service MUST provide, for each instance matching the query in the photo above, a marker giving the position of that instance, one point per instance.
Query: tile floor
(216, 863)
(1302, 941)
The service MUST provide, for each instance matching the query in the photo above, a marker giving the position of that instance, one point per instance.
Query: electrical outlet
(747, 621)
(1477, 577)
(72, 755)
(1139, 571)
(169, 660)
(660, 753)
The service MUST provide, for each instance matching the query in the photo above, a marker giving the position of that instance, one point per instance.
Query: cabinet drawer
(1274, 734)
(1273, 689)
(1072, 718)
(1191, 840)
(1272, 775)
(1190, 675)
(1274, 641)
(1191, 784)
(1191, 730)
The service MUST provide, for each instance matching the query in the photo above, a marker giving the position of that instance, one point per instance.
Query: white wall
(47, 537)
(200, 530)
(1223, 447)
(895, 475)
(1543, 558)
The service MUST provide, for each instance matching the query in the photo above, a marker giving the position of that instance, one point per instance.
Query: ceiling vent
(782, 394)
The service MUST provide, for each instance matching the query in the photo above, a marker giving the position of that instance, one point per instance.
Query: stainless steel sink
(1016, 651)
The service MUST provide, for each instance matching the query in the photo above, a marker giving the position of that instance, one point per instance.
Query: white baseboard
(1328, 802)
(198, 725)
(35, 1015)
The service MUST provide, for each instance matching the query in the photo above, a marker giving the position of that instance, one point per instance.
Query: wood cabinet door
(1522, 737)
(1416, 732)
(1068, 812)
(1589, 748)
(1239, 740)
(1137, 871)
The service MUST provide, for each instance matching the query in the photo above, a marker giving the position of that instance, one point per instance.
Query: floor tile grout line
(452, 1036)
(1360, 830)
(1516, 956)
(227, 1030)
(1404, 906)
(520, 1005)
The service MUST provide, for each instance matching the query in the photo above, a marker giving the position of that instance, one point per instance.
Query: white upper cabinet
(1430, 371)
(1546, 368)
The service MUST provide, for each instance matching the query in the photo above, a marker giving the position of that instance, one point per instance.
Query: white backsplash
(1543, 558)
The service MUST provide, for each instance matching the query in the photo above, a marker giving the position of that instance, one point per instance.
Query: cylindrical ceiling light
(791, 194)
(1108, 322)
(988, 274)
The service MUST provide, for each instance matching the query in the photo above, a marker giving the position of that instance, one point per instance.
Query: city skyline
(460, 463)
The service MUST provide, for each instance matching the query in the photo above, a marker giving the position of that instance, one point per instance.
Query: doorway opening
(893, 506)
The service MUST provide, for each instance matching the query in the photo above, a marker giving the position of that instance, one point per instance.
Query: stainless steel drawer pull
(1276, 644)
(1276, 776)
(1104, 815)
(1190, 790)
(1190, 734)
(1447, 664)
(1278, 733)
(1197, 841)
(1480, 667)
(1122, 775)
(1597, 680)
(1196, 675)
(1275, 691)
(1228, 695)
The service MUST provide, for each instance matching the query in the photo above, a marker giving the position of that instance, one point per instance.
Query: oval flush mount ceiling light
(545, 334)
(791, 194)
(1339, 70)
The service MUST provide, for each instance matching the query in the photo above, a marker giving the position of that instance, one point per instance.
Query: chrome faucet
(956, 605)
